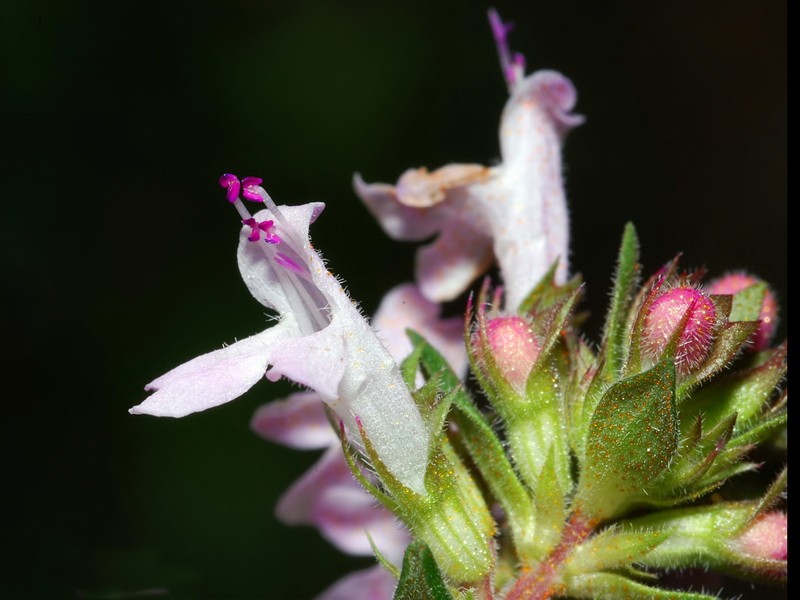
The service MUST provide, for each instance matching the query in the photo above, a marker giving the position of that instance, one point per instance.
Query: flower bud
(515, 348)
(666, 315)
(736, 282)
(767, 537)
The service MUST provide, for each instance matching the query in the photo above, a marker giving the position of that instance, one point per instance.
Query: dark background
(118, 249)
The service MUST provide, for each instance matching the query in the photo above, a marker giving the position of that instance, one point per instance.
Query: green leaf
(633, 436)
(420, 578)
(608, 586)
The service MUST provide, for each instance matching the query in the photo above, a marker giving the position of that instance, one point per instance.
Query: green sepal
(485, 449)
(551, 508)
(434, 404)
(745, 392)
(615, 338)
(604, 376)
(547, 292)
(706, 536)
(382, 560)
(764, 429)
(638, 314)
(486, 370)
(729, 340)
(583, 366)
(609, 586)
(614, 548)
(557, 322)
(420, 578)
(451, 517)
(632, 438)
(352, 458)
(409, 368)
(771, 497)
(691, 467)
(538, 423)
(747, 303)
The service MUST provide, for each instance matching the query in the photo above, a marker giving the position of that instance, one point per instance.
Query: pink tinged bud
(767, 537)
(515, 348)
(736, 282)
(231, 183)
(666, 315)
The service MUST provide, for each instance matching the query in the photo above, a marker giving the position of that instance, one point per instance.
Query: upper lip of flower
(321, 341)
(514, 212)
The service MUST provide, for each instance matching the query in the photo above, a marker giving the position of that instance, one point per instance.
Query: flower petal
(446, 267)
(403, 307)
(328, 497)
(375, 583)
(260, 275)
(212, 379)
(295, 507)
(398, 221)
(534, 123)
(516, 211)
(345, 513)
(298, 421)
(344, 360)
(420, 189)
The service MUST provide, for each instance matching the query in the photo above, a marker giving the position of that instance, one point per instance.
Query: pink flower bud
(515, 348)
(665, 316)
(736, 282)
(767, 537)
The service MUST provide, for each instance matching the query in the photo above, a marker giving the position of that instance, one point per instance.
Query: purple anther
(289, 263)
(259, 227)
(231, 182)
(249, 193)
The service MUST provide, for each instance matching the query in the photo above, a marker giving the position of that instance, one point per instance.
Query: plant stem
(544, 581)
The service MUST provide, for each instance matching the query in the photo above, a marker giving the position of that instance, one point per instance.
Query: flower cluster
(502, 455)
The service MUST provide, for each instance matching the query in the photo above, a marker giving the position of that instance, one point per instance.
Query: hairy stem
(544, 581)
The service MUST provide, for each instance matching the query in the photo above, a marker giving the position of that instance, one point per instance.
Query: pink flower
(514, 212)
(328, 496)
(320, 341)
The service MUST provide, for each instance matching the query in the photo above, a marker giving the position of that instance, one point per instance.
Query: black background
(118, 249)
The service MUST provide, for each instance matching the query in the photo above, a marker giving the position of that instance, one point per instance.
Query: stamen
(259, 227)
(512, 65)
(311, 305)
(288, 263)
(231, 183)
(249, 184)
